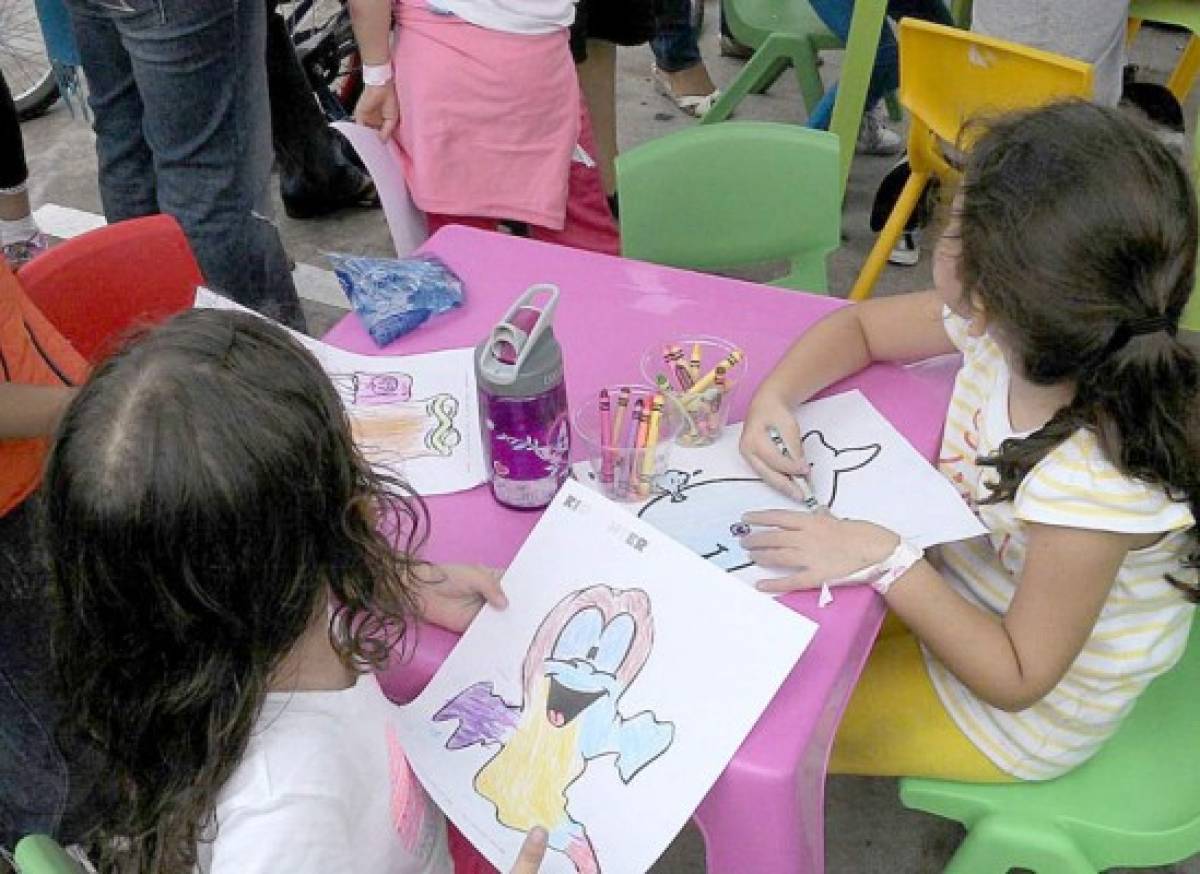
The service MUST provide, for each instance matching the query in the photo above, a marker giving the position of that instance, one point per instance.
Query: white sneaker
(875, 137)
(906, 252)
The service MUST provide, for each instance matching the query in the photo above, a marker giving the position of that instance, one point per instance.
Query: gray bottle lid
(521, 356)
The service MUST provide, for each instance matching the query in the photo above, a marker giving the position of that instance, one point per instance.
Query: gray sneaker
(906, 252)
(875, 137)
(25, 251)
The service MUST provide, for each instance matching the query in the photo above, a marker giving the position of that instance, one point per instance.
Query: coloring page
(862, 468)
(417, 416)
(605, 700)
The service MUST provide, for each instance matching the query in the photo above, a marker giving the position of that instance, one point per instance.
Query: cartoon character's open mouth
(563, 704)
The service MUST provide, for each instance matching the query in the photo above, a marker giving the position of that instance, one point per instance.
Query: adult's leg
(200, 72)
(597, 78)
(677, 51)
(20, 239)
(315, 176)
(126, 165)
(885, 74)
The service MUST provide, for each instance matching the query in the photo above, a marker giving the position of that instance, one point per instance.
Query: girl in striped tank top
(1061, 278)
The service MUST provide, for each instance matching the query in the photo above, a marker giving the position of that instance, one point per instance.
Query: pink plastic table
(766, 812)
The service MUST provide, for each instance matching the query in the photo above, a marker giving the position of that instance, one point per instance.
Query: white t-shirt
(325, 788)
(511, 16)
(1142, 629)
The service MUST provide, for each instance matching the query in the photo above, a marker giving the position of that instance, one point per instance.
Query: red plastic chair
(96, 287)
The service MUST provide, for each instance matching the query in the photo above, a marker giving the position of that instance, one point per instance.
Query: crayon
(807, 496)
(719, 382)
(656, 409)
(619, 414)
(705, 381)
(694, 362)
(606, 471)
(630, 442)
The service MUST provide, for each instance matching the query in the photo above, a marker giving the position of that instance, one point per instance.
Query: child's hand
(453, 594)
(377, 107)
(776, 469)
(529, 859)
(816, 548)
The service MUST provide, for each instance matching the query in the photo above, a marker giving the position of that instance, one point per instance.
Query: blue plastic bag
(393, 296)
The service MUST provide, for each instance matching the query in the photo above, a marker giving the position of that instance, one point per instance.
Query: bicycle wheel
(324, 41)
(23, 59)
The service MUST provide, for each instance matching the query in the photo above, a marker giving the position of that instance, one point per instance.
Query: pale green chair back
(734, 194)
(1136, 803)
(788, 33)
(40, 854)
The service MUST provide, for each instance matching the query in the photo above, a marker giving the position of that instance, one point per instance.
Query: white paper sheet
(671, 672)
(382, 160)
(417, 416)
(862, 468)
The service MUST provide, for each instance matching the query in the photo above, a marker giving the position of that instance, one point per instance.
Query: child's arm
(372, 23)
(31, 410)
(1010, 662)
(903, 328)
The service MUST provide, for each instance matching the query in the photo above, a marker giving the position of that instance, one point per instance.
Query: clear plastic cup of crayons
(700, 375)
(627, 432)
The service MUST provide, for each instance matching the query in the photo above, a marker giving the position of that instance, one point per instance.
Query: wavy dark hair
(1079, 233)
(204, 502)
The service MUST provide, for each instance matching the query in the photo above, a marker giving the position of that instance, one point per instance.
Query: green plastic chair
(1136, 803)
(40, 854)
(788, 33)
(734, 194)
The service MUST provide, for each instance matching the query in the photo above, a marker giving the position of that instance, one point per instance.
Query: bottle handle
(514, 338)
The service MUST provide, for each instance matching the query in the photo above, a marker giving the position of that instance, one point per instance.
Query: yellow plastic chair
(947, 78)
(1182, 13)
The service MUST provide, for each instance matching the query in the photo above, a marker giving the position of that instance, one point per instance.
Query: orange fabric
(32, 352)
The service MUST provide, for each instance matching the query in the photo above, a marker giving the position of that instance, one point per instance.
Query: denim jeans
(179, 93)
(48, 783)
(675, 40)
(885, 75)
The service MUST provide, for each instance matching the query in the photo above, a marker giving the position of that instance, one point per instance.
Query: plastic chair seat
(769, 192)
(1135, 803)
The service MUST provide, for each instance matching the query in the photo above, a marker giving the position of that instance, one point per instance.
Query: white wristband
(376, 74)
(882, 575)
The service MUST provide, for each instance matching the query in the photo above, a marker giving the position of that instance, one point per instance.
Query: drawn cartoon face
(707, 518)
(582, 667)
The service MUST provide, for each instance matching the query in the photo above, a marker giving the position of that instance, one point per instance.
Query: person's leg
(885, 74)
(679, 69)
(895, 724)
(20, 239)
(126, 165)
(597, 78)
(315, 175)
(200, 73)
(926, 10)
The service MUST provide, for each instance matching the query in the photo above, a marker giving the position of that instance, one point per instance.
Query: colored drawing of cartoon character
(408, 429)
(584, 655)
(373, 389)
(706, 515)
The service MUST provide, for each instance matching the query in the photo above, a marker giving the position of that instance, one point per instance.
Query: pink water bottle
(523, 403)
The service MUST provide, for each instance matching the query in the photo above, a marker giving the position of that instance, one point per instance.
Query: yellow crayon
(651, 443)
(728, 362)
(694, 362)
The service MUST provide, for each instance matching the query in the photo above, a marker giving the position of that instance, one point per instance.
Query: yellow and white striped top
(1143, 627)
